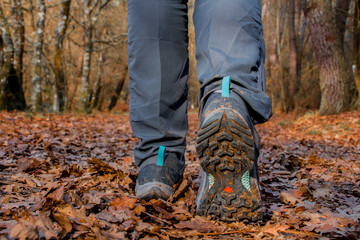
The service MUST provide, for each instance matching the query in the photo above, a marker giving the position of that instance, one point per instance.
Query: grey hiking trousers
(229, 42)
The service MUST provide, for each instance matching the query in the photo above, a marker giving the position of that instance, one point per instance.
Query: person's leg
(230, 63)
(158, 70)
(229, 42)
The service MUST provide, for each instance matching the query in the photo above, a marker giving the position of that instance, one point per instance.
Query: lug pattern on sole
(226, 150)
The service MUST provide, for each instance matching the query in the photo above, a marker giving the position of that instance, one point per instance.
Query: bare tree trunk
(356, 26)
(85, 77)
(18, 36)
(301, 26)
(11, 92)
(292, 43)
(300, 29)
(91, 10)
(341, 14)
(294, 83)
(7, 50)
(36, 98)
(83, 105)
(265, 19)
(48, 83)
(118, 89)
(32, 8)
(98, 84)
(101, 100)
(284, 83)
(335, 74)
(77, 76)
(59, 104)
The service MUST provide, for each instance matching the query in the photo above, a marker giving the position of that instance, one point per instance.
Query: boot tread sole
(226, 150)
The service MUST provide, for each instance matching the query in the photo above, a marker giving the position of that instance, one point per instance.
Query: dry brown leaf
(180, 190)
(63, 221)
(146, 227)
(275, 229)
(200, 224)
(123, 202)
(109, 217)
(23, 231)
(98, 233)
(289, 198)
(322, 192)
(57, 194)
(139, 209)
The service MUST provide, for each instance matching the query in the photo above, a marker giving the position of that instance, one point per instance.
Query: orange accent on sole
(228, 190)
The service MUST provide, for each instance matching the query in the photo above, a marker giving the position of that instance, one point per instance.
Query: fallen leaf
(63, 221)
(201, 225)
(275, 229)
(122, 202)
(139, 209)
(289, 198)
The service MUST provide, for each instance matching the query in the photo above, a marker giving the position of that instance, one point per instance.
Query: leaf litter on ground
(73, 176)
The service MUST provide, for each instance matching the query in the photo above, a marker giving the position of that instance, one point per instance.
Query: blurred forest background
(71, 55)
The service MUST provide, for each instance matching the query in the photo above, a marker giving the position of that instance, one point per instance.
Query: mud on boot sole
(225, 146)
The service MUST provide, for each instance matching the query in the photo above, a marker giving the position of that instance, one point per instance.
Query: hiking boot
(158, 175)
(228, 147)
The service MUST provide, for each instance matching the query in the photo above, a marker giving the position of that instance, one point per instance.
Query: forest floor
(73, 176)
